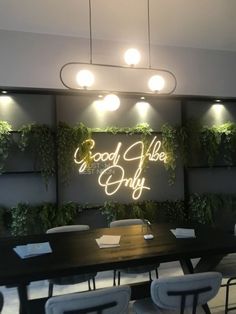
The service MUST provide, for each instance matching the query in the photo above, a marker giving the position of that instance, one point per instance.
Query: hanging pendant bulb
(85, 78)
(156, 83)
(132, 56)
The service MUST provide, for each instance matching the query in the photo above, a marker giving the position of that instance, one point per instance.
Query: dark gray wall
(204, 179)
(20, 109)
(84, 187)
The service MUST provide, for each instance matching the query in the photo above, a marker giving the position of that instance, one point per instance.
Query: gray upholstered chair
(177, 293)
(114, 300)
(71, 280)
(1, 302)
(137, 269)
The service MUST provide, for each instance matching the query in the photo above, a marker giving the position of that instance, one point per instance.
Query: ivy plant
(68, 140)
(170, 146)
(39, 139)
(34, 219)
(5, 142)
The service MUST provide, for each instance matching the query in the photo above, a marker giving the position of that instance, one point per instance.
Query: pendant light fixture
(117, 78)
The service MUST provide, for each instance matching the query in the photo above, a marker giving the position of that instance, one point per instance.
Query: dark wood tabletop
(78, 252)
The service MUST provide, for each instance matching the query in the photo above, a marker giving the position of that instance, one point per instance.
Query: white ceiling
(209, 24)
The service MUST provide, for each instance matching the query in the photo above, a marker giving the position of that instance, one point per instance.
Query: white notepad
(32, 249)
(108, 241)
(183, 233)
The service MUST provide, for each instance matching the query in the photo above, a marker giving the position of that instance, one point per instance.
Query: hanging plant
(39, 139)
(68, 140)
(170, 146)
(5, 142)
(210, 141)
(228, 139)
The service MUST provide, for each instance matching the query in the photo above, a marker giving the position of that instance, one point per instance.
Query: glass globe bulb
(112, 102)
(132, 56)
(156, 83)
(85, 78)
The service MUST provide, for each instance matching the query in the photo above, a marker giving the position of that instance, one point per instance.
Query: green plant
(175, 211)
(210, 141)
(23, 219)
(68, 140)
(52, 216)
(39, 139)
(35, 219)
(154, 211)
(228, 139)
(5, 142)
(170, 146)
(202, 208)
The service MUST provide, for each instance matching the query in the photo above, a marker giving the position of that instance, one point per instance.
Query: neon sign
(113, 176)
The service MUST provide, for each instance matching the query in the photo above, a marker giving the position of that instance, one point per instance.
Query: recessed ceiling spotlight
(218, 100)
(142, 97)
(4, 92)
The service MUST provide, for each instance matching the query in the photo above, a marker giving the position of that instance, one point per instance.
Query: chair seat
(147, 306)
(139, 269)
(72, 280)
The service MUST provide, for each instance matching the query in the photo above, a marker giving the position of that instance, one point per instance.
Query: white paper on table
(108, 241)
(183, 233)
(32, 249)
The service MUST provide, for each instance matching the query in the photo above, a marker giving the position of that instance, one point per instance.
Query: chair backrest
(177, 293)
(126, 222)
(1, 302)
(114, 300)
(68, 228)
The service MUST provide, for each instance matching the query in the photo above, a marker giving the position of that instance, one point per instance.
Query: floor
(104, 279)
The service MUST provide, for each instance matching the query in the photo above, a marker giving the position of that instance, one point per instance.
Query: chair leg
(50, 289)
(118, 277)
(150, 276)
(89, 285)
(156, 270)
(114, 277)
(94, 284)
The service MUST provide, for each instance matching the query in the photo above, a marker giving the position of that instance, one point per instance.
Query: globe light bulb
(132, 56)
(85, 78)
(112, 102)
(156, 83)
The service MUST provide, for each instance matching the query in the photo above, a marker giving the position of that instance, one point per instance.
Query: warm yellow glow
(113, 176)
(5, 100)
(218, 108)
(142, 107)
(111, 102)
(85, 78)
(100, 105)
(132, 56)
(156, 83)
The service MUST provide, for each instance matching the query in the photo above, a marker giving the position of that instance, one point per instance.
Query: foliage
(202, 208)
(68, 140)
(143, 128)
(34, 219)
(154, 211)
(210, 141)
(228, 139)
(170, 146)
(39, 139)
(5, 142)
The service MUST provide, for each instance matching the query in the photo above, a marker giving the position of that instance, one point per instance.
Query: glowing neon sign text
(113, 176)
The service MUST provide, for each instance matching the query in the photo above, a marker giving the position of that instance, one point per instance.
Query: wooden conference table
(78, 252)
